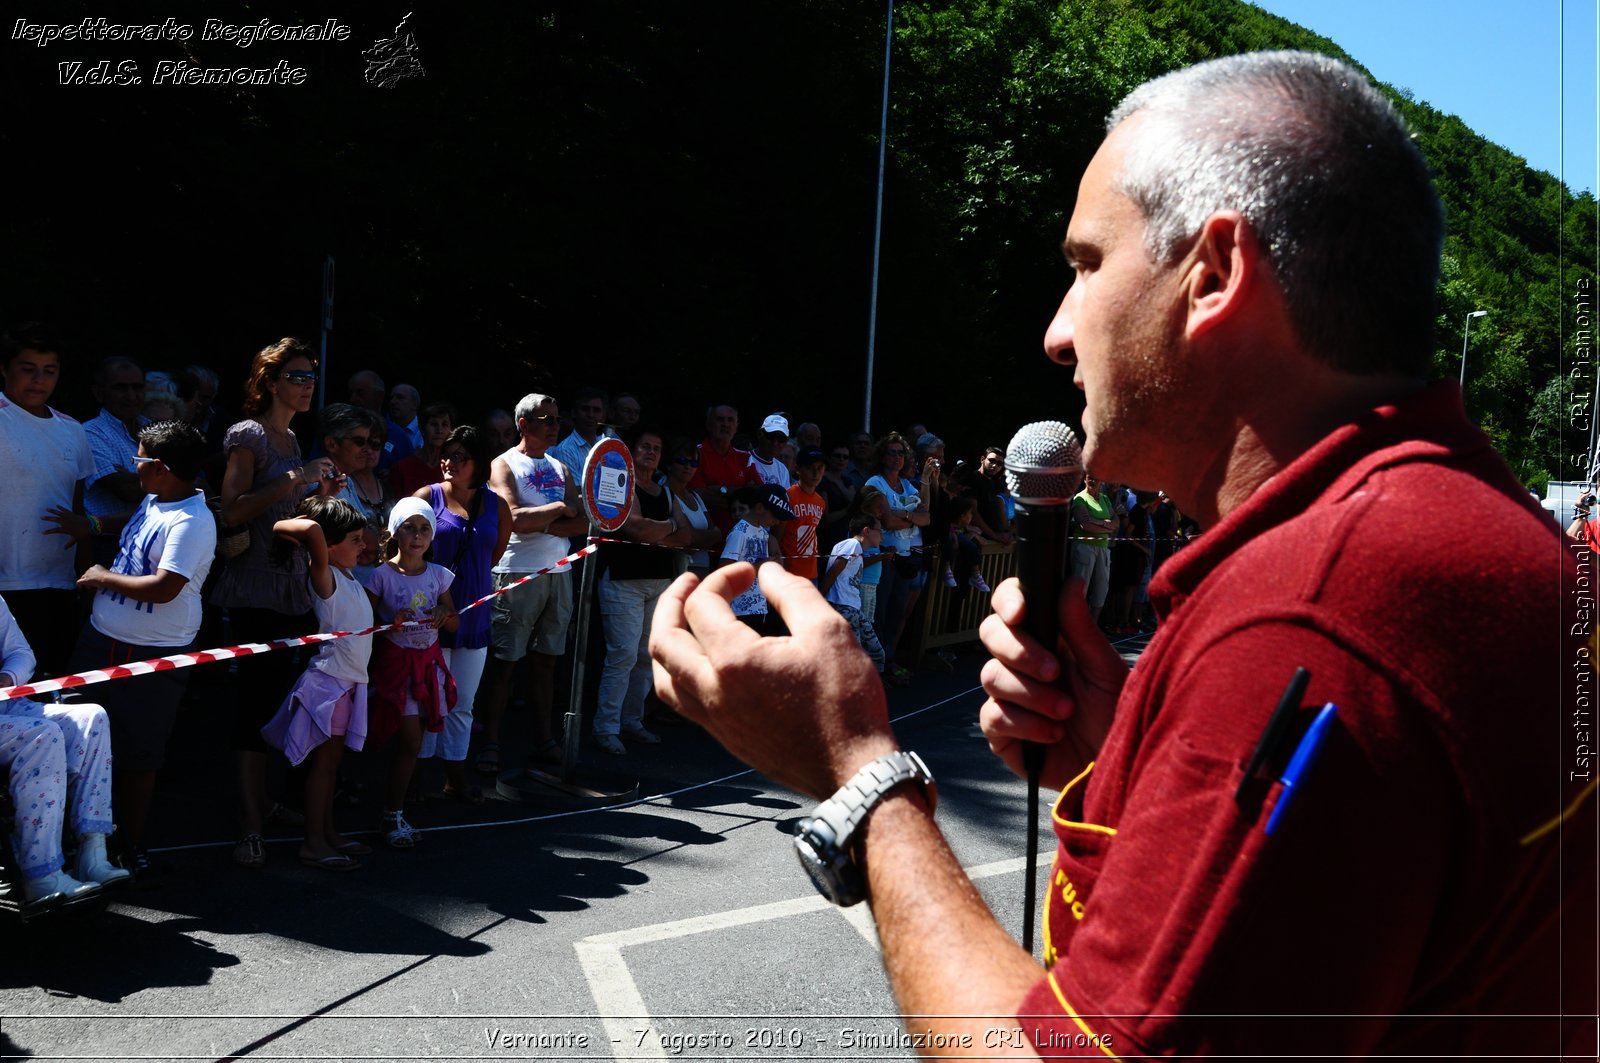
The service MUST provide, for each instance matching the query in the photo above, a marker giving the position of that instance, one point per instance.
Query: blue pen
(1305, 755)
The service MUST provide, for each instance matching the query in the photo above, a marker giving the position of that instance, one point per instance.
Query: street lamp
(1465, 332)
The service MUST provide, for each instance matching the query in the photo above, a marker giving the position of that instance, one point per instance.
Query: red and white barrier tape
(250, 649)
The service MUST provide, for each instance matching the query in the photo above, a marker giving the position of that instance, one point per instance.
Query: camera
(329, 473)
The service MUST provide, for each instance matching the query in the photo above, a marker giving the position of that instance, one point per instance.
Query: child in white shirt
(329, 700)
(760, 508)
(841, 584)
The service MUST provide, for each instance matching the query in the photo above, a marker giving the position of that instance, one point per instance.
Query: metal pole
(1465, 332)
(574, 716)
(877, 224)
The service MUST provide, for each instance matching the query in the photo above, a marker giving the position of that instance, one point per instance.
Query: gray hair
(162, 405)
(339, 419)
(529, 402)
(1321, 166)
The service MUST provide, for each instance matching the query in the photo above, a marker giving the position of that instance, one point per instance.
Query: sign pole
(573, 734)
(607, 482)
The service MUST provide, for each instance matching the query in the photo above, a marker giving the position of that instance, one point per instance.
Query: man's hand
(75, 526)
(806, 710)
(1064, 700)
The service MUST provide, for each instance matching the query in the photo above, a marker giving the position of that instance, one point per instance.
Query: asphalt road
(677, 927)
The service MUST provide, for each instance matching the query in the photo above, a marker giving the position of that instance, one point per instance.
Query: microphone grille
(1044, 464)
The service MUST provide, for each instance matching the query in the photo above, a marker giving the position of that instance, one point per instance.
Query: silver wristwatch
(825, 840)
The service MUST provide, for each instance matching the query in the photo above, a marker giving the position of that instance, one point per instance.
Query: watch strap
(850, 805)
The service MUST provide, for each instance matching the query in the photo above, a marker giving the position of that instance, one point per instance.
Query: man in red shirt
(1256, 248)
(724, 468)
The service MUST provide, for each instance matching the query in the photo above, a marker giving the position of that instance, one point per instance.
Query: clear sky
(1497, 65)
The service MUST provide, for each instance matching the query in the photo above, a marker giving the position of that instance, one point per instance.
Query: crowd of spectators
(161, 517)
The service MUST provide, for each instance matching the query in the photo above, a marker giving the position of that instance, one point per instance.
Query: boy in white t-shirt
(147, 604)
(841, 584)
(759, 507)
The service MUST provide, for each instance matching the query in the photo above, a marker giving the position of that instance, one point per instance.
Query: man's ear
(1222, 271)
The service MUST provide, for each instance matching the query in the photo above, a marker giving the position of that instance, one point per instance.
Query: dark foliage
(676, 199)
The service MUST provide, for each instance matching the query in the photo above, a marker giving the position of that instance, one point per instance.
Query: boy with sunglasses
(147, 604)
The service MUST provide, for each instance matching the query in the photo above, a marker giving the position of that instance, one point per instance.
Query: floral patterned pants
(60, 760)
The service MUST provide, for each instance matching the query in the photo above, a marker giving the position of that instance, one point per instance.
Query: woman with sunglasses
(472, 526)
(263, 483)
(903, 578)
(353, 438)
(703, 535)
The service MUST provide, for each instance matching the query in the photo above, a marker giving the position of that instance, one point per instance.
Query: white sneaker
(92, 863)
(641, 733)
(57, 882)
(610, 744)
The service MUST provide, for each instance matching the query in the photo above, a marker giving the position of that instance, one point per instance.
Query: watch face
(814, 868)
(832, 871)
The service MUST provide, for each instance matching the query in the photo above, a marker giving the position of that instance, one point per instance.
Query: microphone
(1044, 469)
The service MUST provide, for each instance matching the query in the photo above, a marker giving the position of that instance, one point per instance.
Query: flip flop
(335, 862)
(354, 848)
(488, 762)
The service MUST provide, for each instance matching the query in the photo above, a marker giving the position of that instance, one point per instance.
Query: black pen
(1277, 726)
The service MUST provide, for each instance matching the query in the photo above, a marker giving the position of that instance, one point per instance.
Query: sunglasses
(894, 452)
(138, 461)
(693, 463)
(545, 418)
(456, 457)
(299, 376)
(365, 441)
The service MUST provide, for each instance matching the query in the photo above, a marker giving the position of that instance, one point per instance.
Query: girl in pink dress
(411, 685)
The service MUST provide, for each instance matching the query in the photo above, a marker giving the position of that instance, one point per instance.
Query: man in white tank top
(545, 509)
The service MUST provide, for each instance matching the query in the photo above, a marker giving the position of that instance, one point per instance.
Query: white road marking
(616, 995)
(860, 917)
(617, 1001)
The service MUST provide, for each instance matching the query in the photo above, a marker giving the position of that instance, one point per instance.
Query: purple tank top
(469, 557)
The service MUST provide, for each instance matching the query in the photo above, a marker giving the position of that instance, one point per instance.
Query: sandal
(250, 852)
(397, 832)
(333, 862)
(550, 753)
(467, 795)
(488, 762)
